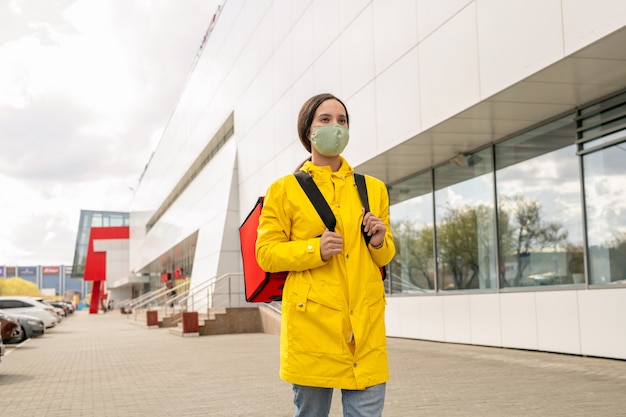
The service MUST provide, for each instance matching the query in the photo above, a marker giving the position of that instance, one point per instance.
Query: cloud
(86, 88)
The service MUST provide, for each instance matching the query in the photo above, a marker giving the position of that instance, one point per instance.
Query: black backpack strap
(321, 205)
(324, 210)
(317, 199)
(359, 180)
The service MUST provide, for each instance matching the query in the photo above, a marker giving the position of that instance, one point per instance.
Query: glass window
(450, 235)
(96, 220)
(413, 268)
(539, 207)
(600, 120)
(465, 223)
(117, 220)
(605, 204)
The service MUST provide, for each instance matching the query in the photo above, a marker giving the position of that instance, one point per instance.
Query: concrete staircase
(226, 321)
(219, 320)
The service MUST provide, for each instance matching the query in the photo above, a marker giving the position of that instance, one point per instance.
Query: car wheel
(24, 337)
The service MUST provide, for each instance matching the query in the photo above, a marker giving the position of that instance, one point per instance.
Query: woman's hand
(331, 244)
(375, 228)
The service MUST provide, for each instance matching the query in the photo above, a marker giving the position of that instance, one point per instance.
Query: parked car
(70, 305)
(58, 312)
(67, 307)
(31, 326)
(21, 304)
(10, 328)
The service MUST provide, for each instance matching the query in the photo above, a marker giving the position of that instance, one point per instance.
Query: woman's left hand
(375, 228)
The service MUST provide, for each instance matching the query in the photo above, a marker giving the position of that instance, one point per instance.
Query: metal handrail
(275, 306)
(187, 299)
(205, 286)
(139, 300)
(178, 300)
(154, 296)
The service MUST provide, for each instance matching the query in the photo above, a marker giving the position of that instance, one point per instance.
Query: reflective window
(539, 208)
(605, 204)
(450, 235)
(413, 268)
(465, 223)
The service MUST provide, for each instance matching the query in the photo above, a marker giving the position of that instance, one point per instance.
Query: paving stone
(103, 365)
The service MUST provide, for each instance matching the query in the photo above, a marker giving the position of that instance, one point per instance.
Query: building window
(540, 217)
(413, 268)
(465, 224)
(559, 216)
(602, 141)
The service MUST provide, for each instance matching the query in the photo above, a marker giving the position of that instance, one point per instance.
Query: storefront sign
(26, 270)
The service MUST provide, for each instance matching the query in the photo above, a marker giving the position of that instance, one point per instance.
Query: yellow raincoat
(333, 329)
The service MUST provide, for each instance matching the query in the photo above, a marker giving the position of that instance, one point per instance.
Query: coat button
(355, 364)
(300, 305)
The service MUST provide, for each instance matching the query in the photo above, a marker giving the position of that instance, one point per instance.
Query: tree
(413, 263)
(18, 286)
(464, 242)
(526, 232)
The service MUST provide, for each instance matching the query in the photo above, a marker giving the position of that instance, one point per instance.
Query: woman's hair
(307, 113)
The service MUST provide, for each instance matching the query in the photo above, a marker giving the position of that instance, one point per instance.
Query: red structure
(95, 264)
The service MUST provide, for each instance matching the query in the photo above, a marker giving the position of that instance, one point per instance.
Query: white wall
(580, 322)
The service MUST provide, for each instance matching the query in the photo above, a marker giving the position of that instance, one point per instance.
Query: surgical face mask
(330, 140)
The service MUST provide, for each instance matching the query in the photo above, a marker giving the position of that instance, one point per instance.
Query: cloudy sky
(86, 89)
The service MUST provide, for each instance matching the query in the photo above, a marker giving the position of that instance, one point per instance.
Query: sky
(86, 90)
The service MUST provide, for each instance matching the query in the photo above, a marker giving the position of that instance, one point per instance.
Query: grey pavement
(103, 365)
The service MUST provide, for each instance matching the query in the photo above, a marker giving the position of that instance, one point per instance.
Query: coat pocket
(315, 324)
(376, 300)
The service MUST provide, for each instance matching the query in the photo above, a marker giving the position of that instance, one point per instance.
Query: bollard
(152, 319)
(190, 324)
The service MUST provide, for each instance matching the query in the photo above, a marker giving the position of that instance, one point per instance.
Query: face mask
(330, 140)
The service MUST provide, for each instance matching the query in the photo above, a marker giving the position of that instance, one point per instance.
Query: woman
(332, 330)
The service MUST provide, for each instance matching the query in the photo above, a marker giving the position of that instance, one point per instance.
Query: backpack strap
(317, 199)
(324, 210)
(359, 180)
(321, 205)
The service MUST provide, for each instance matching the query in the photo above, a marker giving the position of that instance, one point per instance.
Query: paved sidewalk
(103, 365)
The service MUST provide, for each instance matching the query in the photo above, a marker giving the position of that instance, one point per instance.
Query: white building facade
(499, 128)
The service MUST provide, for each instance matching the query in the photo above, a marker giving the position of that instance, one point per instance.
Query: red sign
(50, 270)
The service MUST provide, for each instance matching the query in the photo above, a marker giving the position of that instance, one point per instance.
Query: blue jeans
(315, 402)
